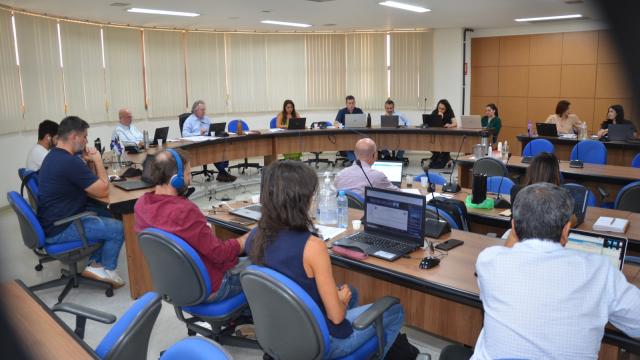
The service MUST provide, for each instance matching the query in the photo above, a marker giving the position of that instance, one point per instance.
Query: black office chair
(206, 172)
(628, 198)
(317, 160)
(456, 352)
(490, 166)
(233, 128)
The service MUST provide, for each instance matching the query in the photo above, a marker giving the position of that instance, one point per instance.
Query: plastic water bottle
(500, 149)
(343, 210)
(529, 128)
(505, 151)
(327, 203)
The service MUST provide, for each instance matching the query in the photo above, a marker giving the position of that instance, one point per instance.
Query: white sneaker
(96, 273)
(114, 278)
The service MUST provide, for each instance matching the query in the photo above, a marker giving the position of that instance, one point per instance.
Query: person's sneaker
(114, 278)
(96, 273)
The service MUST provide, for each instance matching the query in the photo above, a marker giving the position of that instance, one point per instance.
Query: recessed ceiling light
(162, 12)
(403, 6)
(548, 18)
(285, 23)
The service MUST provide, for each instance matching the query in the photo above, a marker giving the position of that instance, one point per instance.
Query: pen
(612, 220)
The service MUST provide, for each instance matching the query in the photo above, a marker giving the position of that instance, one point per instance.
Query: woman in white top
(566, 121)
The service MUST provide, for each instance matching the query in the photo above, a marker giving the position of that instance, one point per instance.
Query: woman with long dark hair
(282, 121)
(615, 116)
(566, 121)
(491, 121)
(283, 241)
(443, 110)
(545, 167)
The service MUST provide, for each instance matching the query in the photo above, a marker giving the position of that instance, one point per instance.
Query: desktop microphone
(359, 163)
(500, 202)
(434, 228)
(577, 163)
(452, 186)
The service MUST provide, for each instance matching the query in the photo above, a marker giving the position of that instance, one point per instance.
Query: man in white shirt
(390, 110)
(542, 301)
(353, 177)
(128, 134)
(47, 138)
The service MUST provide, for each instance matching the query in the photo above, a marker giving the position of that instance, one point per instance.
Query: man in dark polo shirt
(349, 109)
(69, 173)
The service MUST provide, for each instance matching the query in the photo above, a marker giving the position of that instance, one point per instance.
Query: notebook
(429, 120)
(544, 129)
(389, 121)
(470, 122)
(620, 132)
(217, 129)
(253, 212)
(613, 247)
(391, 169)
(355, 120)
(145, 181)
(160, 133)
(605, 223)
(297, 124)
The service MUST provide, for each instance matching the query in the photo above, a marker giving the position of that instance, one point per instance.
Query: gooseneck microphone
(359, 163)
(434, 228)
(500, 202)
(577, 163)
(452, 186)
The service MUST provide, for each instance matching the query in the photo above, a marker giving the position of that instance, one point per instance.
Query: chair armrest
(374, 312)
(85, 312)
(74, 217)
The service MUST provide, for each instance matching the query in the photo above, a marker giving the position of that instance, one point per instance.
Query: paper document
(411, 191)
(198, 138)
(328, 232)
(612, 224)
(276, 130)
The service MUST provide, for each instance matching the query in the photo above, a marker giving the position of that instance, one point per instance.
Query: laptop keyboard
(254, 208)
(383, 243)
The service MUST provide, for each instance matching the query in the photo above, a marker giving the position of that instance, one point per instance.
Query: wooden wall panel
(544, 81)
(611, 83)
(513, 81)
(479, 103)
(510, 133)
(607, 51)
(514, 50)
(546, 49)
(485, 51)
(538, 109)
(513, 111)
(580, 47)
(578, 81)
(484, 81)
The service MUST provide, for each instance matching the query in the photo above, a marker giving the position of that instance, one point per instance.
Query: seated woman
(288, 112)
(615, 115)
(491, 121)
(443, 110)
(566, 121)
(283, 241)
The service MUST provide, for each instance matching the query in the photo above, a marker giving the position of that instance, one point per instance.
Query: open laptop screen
(613, 247)
(391, 169)
(394, 213)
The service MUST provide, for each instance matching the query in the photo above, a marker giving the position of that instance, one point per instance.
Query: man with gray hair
(353, 178)
(198, 124)
(542, 301)
(128, 134)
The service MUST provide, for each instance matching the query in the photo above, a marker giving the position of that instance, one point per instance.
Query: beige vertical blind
(411, 69)
(206, 70)
(40, 69)
(286, 70)
(123, 56)
(246, 70)
(367, 70)
(326, 68)
(83, 71)
(10, 95)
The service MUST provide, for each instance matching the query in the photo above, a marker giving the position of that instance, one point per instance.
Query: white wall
(447, 67)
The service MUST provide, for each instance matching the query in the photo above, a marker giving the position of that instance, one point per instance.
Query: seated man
(166, 209)
(198, 124)
(68, 174)
(390, 110)
(351, 108)
(352, 178)
(542, 301)
(47, 138)
(128, 134)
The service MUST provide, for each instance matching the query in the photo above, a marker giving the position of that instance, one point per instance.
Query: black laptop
(545, 129)
(297, 124)
(429, 120)
(389, 121)
(217, 129)
(620, 132)
(145, 181)
(393, 224)
(161, 133)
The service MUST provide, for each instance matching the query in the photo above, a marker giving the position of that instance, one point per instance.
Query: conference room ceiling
(323, 15)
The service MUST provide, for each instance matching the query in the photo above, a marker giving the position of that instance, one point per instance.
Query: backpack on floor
(402, 349)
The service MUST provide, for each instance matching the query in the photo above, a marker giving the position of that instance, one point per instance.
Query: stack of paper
(605, 223)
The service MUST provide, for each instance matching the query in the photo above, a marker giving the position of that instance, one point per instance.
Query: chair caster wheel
(109, 292)
(39, 267)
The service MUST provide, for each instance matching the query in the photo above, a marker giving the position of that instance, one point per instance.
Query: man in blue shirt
(390, 110)
(128, 134)
(198, 124)
(69, 173)
(350, 109)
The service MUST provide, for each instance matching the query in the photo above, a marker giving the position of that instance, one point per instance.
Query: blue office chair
(590, 151)
(628, 198)
(591, 198)
(179, 275)
(129, 337)
(494, 185)
(272, 123)
(636, 161)
(68, 253)
(196, 348)
(439, 213)
(29, 181)
(354, 200)
(434, 178)
(317, 160)
(232, 128)
(283, 311)
(537, 146)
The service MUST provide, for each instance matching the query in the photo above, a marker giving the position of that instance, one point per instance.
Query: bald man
(353, 179)
(128, 134)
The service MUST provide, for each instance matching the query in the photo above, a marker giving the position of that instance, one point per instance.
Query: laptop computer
(580, 196)
(429, 120)
(253, 212)
(545, 129)
(217, 129)
(160, 133)
(620, 132)
(393, 224)
(355, 121)
(470, 122)
(613, 247)
(391, 169)
(297, 124)
(389, 121)
(145, 181)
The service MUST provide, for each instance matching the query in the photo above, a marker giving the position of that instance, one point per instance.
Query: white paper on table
(329, 232)
(411, 191)
(173, 140)
(436, 194)
(276, 130)
(198, 138)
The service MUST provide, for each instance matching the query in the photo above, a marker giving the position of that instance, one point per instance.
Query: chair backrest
(233, 125)
(32, 233)
(494, 184)
(354, 200)
(435, 213)
(29, 180)
(434, 178)
(537, 146)
(490, 166)
(591, 198)
(178, 273)
(272, 123)
(196, 348)
(181, 119)
(129, 336)
(282, 311)
(636, 161)
(628, 198)
(590, 151)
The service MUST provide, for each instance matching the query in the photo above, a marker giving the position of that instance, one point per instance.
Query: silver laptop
(612, 247)
(391, 169)
(253, 212)
(470, 122)
(355, 120)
